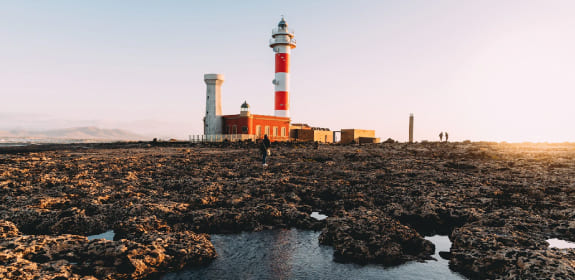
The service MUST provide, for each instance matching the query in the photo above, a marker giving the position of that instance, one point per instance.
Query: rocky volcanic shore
(498, 202)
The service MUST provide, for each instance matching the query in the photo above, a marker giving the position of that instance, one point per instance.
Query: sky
(481, 70)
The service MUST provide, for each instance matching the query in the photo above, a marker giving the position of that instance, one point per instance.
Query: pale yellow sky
(481, 70)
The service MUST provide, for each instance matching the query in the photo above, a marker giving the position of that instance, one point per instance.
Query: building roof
(236, 116)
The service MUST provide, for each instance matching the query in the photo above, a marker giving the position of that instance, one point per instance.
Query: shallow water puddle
(318, 216)
(108, 235)
(296, 254)
(561, 244)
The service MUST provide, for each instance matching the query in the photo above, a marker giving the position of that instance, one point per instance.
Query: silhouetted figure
(446, 136)
(440, 136)
(265, 149)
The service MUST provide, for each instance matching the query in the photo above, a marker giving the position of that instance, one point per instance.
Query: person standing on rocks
(446, 136)
(440, 136)
(265, 149)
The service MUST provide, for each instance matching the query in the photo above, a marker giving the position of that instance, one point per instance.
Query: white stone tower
(213, 118)
(282, 42)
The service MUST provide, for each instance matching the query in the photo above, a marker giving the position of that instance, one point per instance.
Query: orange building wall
(248, 124)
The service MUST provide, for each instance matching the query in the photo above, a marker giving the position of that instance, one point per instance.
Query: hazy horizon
(146, 128)
(482, 71)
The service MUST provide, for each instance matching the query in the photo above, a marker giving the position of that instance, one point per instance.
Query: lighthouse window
(275, 131)
(283, 131)
(244, 129)
(258, 130)
(234, 129)
(267, 130)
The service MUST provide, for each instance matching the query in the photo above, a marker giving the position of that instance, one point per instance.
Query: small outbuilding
(361, 136)
(306, 133)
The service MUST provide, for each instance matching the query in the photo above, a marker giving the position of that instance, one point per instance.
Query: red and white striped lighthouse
(282, 42)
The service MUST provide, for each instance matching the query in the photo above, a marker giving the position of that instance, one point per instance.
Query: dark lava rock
(460, 165)
(75, 221)
(39, 257)
(74, 257)
(8, 229)
(260, 217)
(134, 227)
(445, 255)
(499, 202)
(492, 252)
(150, 253)
(368, 236)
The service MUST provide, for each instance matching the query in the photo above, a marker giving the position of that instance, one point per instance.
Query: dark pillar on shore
(410, 128)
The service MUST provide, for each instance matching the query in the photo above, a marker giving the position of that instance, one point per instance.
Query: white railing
(221, 138)
(231, 138)
(274, 41)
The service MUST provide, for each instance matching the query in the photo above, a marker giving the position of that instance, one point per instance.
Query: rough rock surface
(74, 257)
(8, 229)
(370, 236)
(509, 245)
(498, 202)
(490, 253)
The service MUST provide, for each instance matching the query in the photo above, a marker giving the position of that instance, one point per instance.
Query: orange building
(244, 123)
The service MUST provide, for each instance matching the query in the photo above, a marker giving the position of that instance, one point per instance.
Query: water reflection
(318, 216)
(280, 250)
(296, 254)
(108, 235)
(561, 244)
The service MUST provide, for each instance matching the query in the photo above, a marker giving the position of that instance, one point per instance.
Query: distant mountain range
(90, 132)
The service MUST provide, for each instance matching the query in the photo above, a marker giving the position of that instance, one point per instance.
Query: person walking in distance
(446, 136)
(265, 149)
(440, 136)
